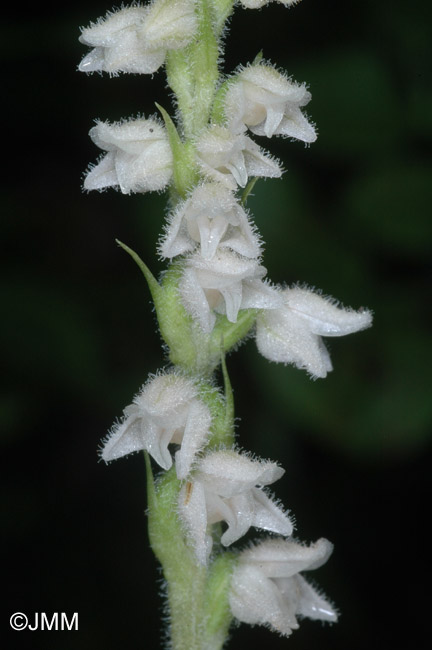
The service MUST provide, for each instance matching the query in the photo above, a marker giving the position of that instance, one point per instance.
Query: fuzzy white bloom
(257, 4)
(292, 333)
(167, 410)
(268, 103)
(139, 157)
(266, 588)
(231, 158)
(224, 488)
(212, 217)
(136, 38)
(225, 284)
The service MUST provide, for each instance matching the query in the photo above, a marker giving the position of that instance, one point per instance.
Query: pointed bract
(139, 157)
(267, 589)
(292, 333)
(167, 410)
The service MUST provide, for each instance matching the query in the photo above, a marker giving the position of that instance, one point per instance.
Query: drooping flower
(267, 588)
(167, 410)
(268, 103)
(136, 39)
(225, 284)
(292, 333)
(138, 159)
(232, 158)
(227, 487)
(212, 217)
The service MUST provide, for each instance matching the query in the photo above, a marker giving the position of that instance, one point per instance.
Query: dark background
(352, 216)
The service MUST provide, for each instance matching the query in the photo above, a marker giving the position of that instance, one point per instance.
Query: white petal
(323, 316)
(283, 558)
(169, 24)
(228, 472)
(268, 516)
(102, 175)
(125, 438)
(256, 600)
(282, 336)
(195, 435)
(313, 605)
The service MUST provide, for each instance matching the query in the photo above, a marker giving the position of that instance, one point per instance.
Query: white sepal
(136, 39)
(213, 218)
(266, 588)
(268, 103)
(227, 486)
(167, 410)
(232, 158)
(225, 284)
(292, 333)
(138, 159)
(169, 24)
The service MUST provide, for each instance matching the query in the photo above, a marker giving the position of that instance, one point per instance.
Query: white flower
(266, 588)
(257, 4)
(136, 39)
(268, 104)
(139, 157)
(212, 217)
(225, 284)
(231, 158)
(167, 410)
(292, 333)
(224, 488)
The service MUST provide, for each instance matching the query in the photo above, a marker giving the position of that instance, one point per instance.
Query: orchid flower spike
(225, 284)
(227, 487)
(167, 410)
(212, 217)
(267, 588)
(232, 158)
(138, 158)
(268, 103)
(136, 39)
(292, 333)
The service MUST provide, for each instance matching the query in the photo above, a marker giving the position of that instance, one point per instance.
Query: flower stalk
(212, 296)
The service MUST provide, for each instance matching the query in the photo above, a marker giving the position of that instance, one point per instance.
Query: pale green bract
(213, 294)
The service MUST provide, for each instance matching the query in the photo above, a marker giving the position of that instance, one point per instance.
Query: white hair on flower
(136, 39)
(138, 158)
(227, 487)
(268, 103)
(292, 333)
(167, 410)
(212, 217)
(225, 284)
(231, 158)
(267, 588)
